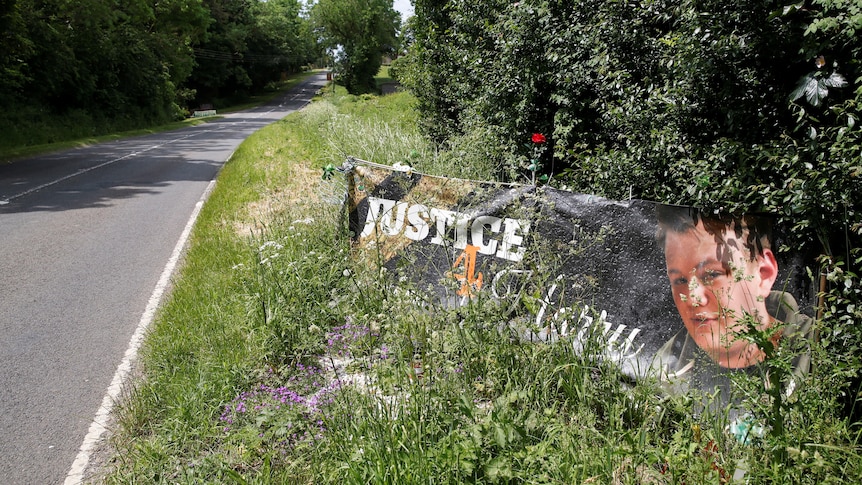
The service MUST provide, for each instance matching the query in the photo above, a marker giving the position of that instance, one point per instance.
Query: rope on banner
(408, 169)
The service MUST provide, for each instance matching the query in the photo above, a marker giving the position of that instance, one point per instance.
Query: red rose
(538, 138)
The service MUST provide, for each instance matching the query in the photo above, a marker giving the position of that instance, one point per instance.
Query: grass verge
(278, 360)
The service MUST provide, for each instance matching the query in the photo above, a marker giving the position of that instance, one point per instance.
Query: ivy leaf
(815, 89)
(809, 87)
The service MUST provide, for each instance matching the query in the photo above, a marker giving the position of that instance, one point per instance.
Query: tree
(362, 31)
(431, 69)
(280, 41)
(219, 70)
(98, 56)
(107, 64)
(248, 44)
(15, 47)
(623, 88)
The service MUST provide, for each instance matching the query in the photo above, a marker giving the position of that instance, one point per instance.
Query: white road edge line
(99, 424)
(100, 421)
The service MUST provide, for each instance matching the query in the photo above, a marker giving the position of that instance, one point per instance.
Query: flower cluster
(268, 251)
(345, 339)
(286, 414)
(291, 406)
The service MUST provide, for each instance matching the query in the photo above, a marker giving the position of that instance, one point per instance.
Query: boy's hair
(755, 231)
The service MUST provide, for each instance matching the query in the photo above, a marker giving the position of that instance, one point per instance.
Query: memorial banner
(667, 290)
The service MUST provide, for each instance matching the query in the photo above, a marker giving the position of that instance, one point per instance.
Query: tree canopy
(144, 59)
(362, 32)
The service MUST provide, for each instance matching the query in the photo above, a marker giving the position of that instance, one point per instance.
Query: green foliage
(362, 31)
(219, 73)
(15, 46)
(842, 337)
(676, 102)
(745, 109)
(109, 56)
(281, 35)
(138, 63)
(622, 90)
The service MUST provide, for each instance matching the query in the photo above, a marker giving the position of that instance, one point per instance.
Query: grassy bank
(277, 359)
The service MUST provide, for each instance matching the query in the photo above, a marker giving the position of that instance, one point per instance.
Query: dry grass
(302, 189)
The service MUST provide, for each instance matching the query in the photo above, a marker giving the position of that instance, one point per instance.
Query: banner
(666, 290)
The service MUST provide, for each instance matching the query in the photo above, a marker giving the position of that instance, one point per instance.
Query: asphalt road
(84, 238)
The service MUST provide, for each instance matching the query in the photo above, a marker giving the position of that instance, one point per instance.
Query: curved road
(84, 237)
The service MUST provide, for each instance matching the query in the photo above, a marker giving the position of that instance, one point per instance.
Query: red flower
(538, 138)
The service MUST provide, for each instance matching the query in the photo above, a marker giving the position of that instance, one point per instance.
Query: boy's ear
(767, 267)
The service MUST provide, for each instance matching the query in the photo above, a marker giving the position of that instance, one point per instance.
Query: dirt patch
(303, 188)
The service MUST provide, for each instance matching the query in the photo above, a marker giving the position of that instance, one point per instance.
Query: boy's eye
(709, 276)
(680, 281)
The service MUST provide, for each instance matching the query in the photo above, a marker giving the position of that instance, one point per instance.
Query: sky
(404, 7)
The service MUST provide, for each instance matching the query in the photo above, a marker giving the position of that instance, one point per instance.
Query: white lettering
(393, 222)
(500, 274)
(494, 236)
(443, 219)
(511, 239)
(478, 234)
(417, 216)
(610, 342)
(376, 207)
(540, 315)
(461, 223)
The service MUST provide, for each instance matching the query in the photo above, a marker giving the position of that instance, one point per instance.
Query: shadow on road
(99, 175)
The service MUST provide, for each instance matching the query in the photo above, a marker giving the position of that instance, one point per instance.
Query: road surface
(84, 237)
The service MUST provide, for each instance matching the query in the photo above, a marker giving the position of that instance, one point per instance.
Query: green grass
(241, 370)
(383, 76)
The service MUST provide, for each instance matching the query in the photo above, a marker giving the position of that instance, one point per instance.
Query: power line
(202, 53)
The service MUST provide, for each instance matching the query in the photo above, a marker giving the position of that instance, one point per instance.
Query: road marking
(100, 422)
(94, 167)
(216, 127)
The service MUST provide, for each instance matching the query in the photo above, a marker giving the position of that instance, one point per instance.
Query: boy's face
(715, 284)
